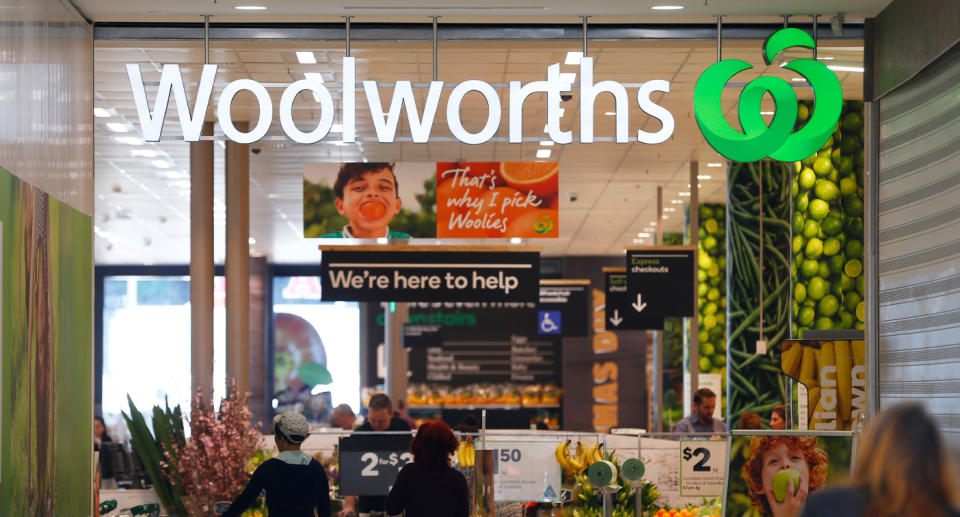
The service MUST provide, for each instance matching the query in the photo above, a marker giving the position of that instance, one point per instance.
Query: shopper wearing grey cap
(295, 483)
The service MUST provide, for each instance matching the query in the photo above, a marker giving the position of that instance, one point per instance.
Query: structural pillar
(396, 356)
(201, 264)
(237, 263)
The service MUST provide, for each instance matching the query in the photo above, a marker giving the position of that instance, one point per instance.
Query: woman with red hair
(428, 486)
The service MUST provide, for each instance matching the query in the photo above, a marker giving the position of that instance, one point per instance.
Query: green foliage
(168, 429)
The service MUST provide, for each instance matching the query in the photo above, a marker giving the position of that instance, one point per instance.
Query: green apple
(781, 483)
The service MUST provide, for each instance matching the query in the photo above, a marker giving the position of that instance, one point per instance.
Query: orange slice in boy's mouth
(373, 210)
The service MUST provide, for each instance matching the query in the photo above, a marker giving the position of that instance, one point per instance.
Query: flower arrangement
(212, 465)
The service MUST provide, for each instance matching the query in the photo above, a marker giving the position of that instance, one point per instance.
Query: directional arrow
(616, 319)
(639, 306)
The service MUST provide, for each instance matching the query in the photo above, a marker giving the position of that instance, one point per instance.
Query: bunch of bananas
(465, 453)
(834, 373)
(580, 460)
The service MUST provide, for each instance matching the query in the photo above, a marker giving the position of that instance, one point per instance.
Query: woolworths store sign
(756, 140)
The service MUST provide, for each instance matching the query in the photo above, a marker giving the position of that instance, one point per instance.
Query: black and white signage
(369, 463)
(521, 360)
(408, 274)
(422, 335)
(660, 280)
(624, 312)
(564, 307)
(702, 467)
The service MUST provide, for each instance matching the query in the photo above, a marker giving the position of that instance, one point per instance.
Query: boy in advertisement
(368, 195)
(782, 471)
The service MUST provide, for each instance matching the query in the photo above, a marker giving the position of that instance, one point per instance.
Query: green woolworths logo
(758, 140)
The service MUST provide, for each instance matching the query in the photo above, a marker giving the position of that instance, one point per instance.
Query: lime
(824, 153)
(855, 226)
(858, 283)
(806, 315)
(714, 294)
(716, 333)
(826, 190)
(798, 243)
(823, 269)
(817, 288)
(853, 206)
(831, 225)
(705, 364)
(705, 212)
(834, 175)
(802, 201)
(810, 228)
(803, 112)
(818, 209)
(704, 261)
(860, 311)
(822, 166)
(711, 225)
(706, 349)
(798, 221)
(799, 292)
(807, 178)
(703, 336)
(809, 268)
(846, 319)
(702, 233)
(701, 275)
(846, 283)
(851, 122)
(854, 249)
(723, 302)
(835, 154)
(858, 325)
(853, 268)
(823, 323)
(702, 290)
(720, 360)
(848, 186)
(836, 289)
(851, 300)
(831, 246)
(710, 243)
(814, 248)
(796, 308)
(828, 306)
(714, 270)
(794, 186)
(828, 144)
(715, 279)
(836, 263)
(846, 165)
(711, 308)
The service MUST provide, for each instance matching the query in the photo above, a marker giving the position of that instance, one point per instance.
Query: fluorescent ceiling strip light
(543, 153)
(101, 113)
(118, 127)
(573, 58)
(841, 68)
(306, 58)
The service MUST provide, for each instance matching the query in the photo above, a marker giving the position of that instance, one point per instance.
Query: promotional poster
(771, 475)
(835, 377)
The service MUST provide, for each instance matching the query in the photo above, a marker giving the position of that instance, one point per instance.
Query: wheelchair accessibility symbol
(549, 322)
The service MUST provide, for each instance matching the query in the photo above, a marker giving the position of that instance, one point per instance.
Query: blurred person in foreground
(903, 469)
(428, 486)
(778, 418)
(380, 417)
(296, 484)
(343, 417)
(701, 420)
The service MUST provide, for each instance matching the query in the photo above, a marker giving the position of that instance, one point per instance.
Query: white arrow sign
(616, 319)
(639, 306)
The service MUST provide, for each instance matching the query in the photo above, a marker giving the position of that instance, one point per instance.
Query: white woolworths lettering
(191, 122)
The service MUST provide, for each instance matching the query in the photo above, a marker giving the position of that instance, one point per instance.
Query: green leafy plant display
(167, 431)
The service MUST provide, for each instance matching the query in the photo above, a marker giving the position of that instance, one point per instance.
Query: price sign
(369, 463)
(525, 471)
(703, 465)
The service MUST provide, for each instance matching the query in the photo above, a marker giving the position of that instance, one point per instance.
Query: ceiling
(601, 11)
(608, 189)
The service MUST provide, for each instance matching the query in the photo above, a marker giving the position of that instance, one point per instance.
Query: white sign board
(714, 383)
(525, 471)
(659, 457)
(702, 467)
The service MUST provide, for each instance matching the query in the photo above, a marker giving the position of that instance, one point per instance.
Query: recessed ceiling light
(573, 58)
(101, 113)
(714, 165)
(129, 140)
(643, 235)
(610, 113)
(543, 153)
(515, 240)
(676, 201)
(161, 164)
(703, 176)
(144, 153)
(684, 194)
(250, 8)
(546, 143)
(667, 7)
(561, 111)
(118, 127)
(306, 58)
(252, 241)
(649, 229)
(798, 79)
(669, 209)
(766, 113)
(314, 76)
(666, 216)
(568, 77)
(840, 68)
(825, 58)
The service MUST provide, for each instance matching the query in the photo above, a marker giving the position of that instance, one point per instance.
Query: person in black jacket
(428, 486)
(903, 469)
(295, 483)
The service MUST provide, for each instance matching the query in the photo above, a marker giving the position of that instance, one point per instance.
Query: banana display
(582, 458)
(465, 454)
(588, 502)
(835, 375)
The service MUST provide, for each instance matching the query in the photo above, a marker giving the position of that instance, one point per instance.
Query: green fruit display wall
(712, 288)
(753, 380)
(673, 347)
(827, 227)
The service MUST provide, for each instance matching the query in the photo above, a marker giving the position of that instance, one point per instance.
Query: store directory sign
(660, 280)
(369, 463)
(436, 273)
(564, 307)
(621, 313)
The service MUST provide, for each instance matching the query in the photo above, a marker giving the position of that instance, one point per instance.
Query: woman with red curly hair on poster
(428, 486)
(782, 471)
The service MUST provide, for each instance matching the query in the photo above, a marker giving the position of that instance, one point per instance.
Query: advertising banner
(414, 274)
(472, 200)
(525, 471)
(834, 373)
(497, 199)
(773, 474)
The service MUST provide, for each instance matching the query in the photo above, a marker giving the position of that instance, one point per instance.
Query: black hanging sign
(621, 312)
(660, 280)
(564, 307)
(369, 463)
(430, 273)
(422, 334)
